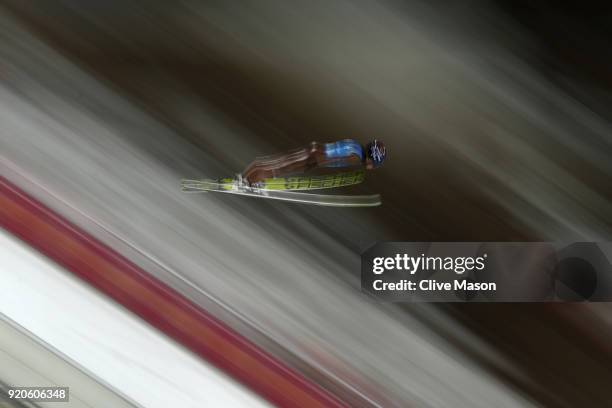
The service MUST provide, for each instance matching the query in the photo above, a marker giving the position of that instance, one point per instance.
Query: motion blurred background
(496, 117)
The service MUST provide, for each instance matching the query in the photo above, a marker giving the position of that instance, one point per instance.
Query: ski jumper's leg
(296, 161)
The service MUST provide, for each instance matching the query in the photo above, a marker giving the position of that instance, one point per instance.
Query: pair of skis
(291, 189)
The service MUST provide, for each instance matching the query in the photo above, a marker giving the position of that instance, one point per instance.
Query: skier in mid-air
(340, 155)
(283, 176)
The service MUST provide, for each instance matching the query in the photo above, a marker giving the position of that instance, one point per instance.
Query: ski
(291, 183)
(232, 187)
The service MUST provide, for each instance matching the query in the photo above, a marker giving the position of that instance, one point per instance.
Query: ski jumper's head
(375, 154)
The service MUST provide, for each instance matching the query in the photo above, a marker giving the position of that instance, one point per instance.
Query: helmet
(375, 151)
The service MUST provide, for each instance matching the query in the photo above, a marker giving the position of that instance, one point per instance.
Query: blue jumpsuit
(342, 149)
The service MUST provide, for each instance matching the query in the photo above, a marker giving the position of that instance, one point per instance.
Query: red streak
(155, 302)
